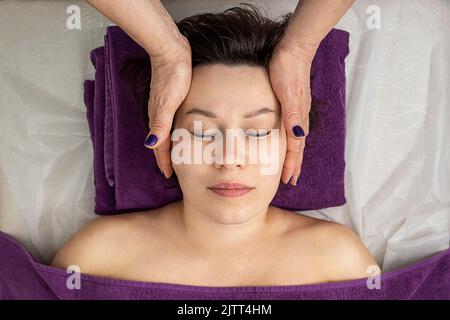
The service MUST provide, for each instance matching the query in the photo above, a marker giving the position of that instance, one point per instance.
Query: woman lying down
(223, 232)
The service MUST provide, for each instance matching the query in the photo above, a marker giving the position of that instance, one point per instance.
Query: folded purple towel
(126, 174)
(22, 277)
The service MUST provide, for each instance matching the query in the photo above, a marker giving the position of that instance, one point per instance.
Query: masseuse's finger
(304, 124)
(160, 121)
(168, 90)
(162, 152)
(290, 162)
(295, 134)
(295, 116)
(298, 166)
(165, 161)
(155, 152)
(289, 71)
(170, 83)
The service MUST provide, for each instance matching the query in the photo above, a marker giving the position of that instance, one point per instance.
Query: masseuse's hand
(152, 27)
(289, 71)
(170, 83)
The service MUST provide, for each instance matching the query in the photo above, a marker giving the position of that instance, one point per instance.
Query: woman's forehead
(239, 89)
(269, 110)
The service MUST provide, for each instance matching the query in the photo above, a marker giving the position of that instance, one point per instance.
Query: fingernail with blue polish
(151, 140)
(298, 131)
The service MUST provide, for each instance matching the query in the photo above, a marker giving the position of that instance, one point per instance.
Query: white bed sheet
(398, 122)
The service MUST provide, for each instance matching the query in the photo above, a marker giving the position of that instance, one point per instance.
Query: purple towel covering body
(22, 277)
(126, 174)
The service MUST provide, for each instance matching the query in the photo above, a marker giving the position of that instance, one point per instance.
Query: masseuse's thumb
(160, 124)
(293, 120)
(169, 87)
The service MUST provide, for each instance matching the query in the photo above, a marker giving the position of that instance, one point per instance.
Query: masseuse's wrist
(177, 50)
(303, 49)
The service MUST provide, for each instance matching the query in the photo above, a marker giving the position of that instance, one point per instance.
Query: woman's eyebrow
(201, 112)
(259, 112)
(210, 114)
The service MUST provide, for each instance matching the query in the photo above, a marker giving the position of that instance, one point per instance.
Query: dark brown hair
(238, 36)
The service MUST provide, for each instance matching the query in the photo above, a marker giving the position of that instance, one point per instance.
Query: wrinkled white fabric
(398, 123)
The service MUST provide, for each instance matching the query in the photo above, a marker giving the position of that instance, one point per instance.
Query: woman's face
(230, 97)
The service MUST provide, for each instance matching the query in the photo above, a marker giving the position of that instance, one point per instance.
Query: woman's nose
(231, 160)
(233, 156)
(228, 166)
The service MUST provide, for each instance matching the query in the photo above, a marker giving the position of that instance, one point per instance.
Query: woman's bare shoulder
(340, 250)
(101, 244)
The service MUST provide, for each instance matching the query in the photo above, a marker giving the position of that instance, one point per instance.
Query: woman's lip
(231, 192)
(230, 186)
(230, 189)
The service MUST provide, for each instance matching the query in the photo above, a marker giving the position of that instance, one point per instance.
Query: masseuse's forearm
(312, 20)
(146, 21)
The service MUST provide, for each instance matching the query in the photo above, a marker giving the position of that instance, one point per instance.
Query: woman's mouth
(230, 189)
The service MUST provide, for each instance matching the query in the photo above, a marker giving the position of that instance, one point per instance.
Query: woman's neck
(213, 237)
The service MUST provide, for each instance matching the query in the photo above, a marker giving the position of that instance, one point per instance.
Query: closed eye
(201, 135)
(252, 133)
(258, 134)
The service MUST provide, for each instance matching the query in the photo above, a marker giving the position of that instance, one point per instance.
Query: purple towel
(22, 277)
(126, 174)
